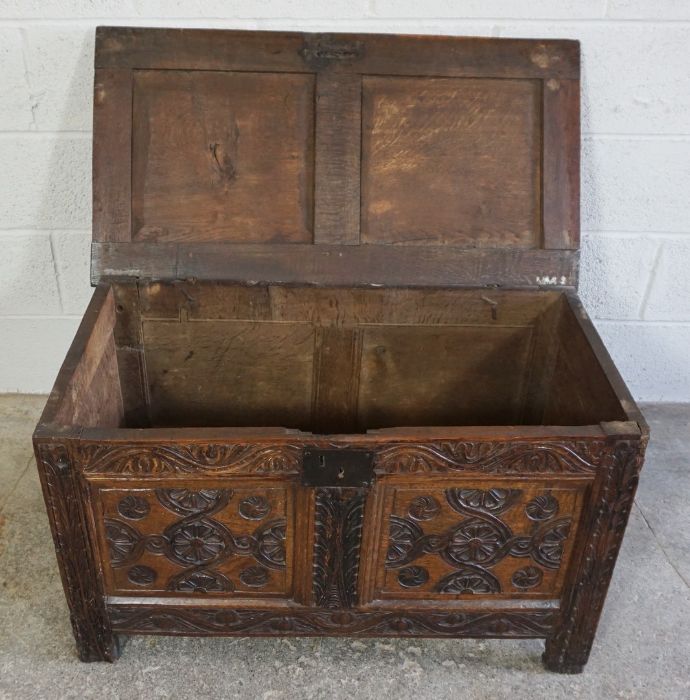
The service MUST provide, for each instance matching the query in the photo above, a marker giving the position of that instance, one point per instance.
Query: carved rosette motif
(548, 543)
(339, 514)
(201, 581)
(141, 575)
(254, 508)
(424, 508)
(527, 577)
(133, 508)
(197, 542)
(413, 576)
(475, 544)
(542, 507)
(189, 502)
(215, 458)
(254, 576)
(469, 579)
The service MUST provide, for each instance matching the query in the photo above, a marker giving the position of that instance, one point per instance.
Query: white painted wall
(635, 172)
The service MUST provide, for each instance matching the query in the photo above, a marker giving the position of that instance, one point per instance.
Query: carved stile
(568, 649)
(65, 505)
(339, 514)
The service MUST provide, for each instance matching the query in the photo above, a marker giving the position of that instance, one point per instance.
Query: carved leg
(568, 649)
(61, 489)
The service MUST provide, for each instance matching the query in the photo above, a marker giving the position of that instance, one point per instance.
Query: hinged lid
(335, 159)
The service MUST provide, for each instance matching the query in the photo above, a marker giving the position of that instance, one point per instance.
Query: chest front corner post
(65, 505)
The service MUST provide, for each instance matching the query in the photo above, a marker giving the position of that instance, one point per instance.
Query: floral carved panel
(206, 541)
(510, 540)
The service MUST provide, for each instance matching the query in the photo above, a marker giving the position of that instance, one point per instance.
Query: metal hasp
(345, 468)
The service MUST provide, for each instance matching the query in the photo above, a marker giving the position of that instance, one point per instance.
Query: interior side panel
(578, 388)
(345, 360)
(93, 396)
(442, 375)
(240, 373)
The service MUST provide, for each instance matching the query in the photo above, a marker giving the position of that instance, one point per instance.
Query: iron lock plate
(338, 468)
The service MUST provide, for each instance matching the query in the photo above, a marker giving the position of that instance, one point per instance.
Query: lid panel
(335, 159)
(451, 161)
(222, 156)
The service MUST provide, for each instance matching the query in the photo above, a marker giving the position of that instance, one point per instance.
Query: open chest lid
(342, 159)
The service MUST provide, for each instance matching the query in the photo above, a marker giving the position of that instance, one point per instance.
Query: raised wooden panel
(222, 157)
(429, 376)
(223, 540)
(467, 539)
(451, 162)
(380, 159)
(240, 373)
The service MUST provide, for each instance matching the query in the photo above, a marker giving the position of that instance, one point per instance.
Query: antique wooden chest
(335, 378)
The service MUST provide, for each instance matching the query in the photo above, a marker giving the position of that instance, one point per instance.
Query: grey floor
(642, 649)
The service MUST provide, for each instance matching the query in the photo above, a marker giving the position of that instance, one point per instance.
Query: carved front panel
(491, 539)
(225, 540)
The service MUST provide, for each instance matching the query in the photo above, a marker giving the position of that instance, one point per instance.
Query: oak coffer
(335, 378)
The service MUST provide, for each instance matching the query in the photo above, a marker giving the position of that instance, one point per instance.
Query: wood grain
(428, 376)
(206, 146)
(561, 155)
(341, 265)
(452, 162)
(387, 54)
(241, 373)
(331, 141)
(112, 154)
(337, 153)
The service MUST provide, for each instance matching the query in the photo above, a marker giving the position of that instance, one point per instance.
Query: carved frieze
(492, 457)
(142, 459)
(262, 622)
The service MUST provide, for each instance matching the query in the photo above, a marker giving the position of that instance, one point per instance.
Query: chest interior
(343, 360)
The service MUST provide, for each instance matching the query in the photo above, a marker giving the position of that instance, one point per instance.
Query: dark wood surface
(336, 159)
(451, 161)
(351, 360)
(400, 217)
(222, 156)
(500, 517)
(342, 265)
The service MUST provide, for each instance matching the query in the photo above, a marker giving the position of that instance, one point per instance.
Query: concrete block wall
(635, 166)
